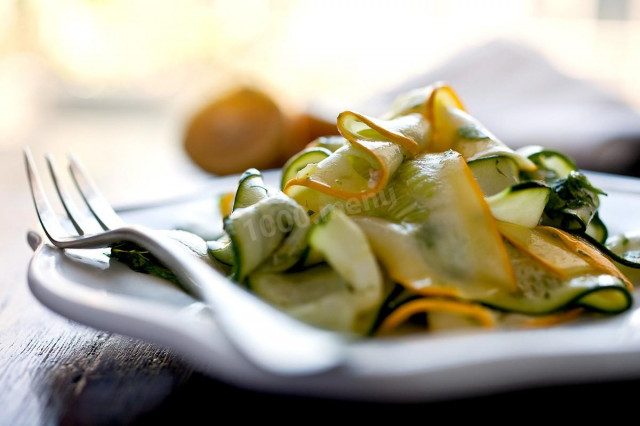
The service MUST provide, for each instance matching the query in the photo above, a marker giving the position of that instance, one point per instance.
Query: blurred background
(119, 81)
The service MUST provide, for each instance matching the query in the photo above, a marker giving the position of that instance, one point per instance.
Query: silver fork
(265, 336)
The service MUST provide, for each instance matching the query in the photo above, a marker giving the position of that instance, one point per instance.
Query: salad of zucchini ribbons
(419, 220)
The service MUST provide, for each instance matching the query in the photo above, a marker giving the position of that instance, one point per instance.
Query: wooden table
(55, 371)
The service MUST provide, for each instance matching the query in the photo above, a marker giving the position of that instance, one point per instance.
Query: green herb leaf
(140, 260)
(573, 203)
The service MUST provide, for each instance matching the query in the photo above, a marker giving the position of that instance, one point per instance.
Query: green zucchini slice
(222, 250)
(251, 189)
(552, 165)
(626, 249)
(318, 296)
(495, 173)
(438, 235)
(332, 143)
(521, 204)
(300, 161)
(573, 201)
(272, 230)
(623, 249)
(472, 140)
(541, 292)
(345, 247)
(597, 230)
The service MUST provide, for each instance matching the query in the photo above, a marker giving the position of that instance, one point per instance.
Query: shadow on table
(117, 380)
(202, 399)
(108, 380)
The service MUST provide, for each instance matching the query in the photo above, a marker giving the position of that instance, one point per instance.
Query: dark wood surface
(51, 369)
(54, 371)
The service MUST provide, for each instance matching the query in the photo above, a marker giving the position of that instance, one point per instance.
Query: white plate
(412, 368)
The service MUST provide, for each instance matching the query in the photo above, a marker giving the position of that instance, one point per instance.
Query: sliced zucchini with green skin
(438, 235)
(274, 228)
(345, 247)
(623, 249)
(472, 140)
(251, 189)
(551, 164)
(597, 230)
(521, 204)
(300, 161)
(222, 250)
(293, 246)
(573, 202)
(626, 248)
(332, 143)
(494, 174)
(541, 292)
(599, 293)
(318, 296)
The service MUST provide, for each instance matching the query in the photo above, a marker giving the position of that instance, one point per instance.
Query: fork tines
(84, 223)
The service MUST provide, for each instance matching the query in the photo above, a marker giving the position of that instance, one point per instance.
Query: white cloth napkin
(524, 100)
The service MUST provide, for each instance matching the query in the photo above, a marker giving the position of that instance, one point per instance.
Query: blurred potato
(238, 131)
(245, 129)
